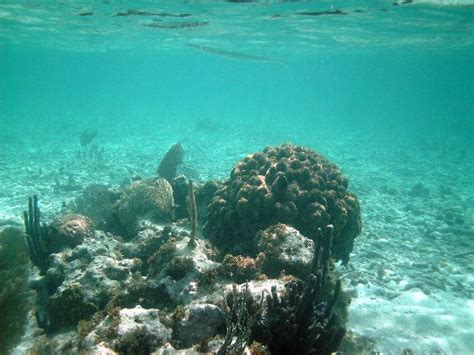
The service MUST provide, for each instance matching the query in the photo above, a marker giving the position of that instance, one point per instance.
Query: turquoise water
(385, 91)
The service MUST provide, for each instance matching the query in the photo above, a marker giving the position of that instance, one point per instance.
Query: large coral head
(284, 184)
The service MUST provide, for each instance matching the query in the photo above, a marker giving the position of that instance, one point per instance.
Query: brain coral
(284, 184)
(148, 198)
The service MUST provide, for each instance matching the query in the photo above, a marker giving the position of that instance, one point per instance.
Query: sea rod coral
(303, 319)
(36, 235)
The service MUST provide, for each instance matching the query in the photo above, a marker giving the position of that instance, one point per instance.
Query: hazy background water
(408, 89)
(407, 67)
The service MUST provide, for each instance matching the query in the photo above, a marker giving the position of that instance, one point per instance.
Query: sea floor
(411, 273)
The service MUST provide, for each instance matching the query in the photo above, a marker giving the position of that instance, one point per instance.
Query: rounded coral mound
(68, 231)
(149, 198)
(284, 184)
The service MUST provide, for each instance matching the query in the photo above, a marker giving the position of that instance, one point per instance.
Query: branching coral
(241, 312)
(36, 235)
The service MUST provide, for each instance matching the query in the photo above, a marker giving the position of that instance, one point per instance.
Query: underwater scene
(229, 177)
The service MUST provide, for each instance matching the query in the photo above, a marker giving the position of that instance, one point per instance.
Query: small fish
(232, 54)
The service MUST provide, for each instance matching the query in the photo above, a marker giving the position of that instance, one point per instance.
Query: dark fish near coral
(232, 54)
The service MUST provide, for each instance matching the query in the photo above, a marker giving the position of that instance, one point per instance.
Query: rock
(239, 268)
(129, 330)
(83, 280)
(195, 323)
(284, 248)
(140, 331)
(176, 266)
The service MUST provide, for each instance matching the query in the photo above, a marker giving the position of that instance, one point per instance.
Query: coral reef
(82, 280)
(284, 184)
(164, 289)
(169, 164)
(120, 310)
(204, 194)
(177, 267)
(145, 199)
(180, 187)
(128, 331)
